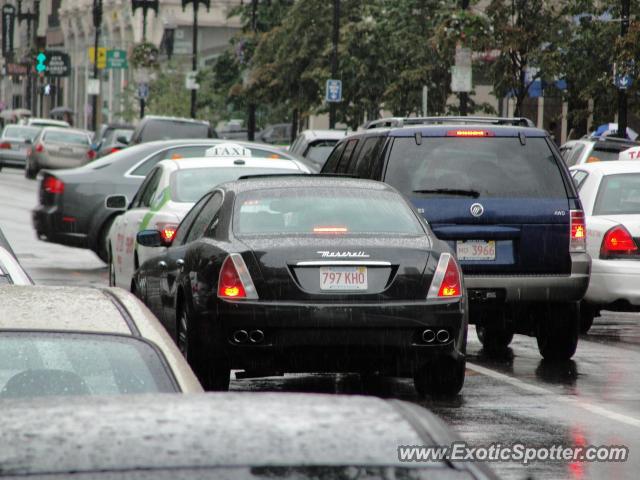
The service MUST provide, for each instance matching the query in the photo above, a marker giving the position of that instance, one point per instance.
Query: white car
(166, 195)
(610, 193)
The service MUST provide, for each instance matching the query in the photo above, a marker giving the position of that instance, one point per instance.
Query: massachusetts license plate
(343, 278)
(476, 250)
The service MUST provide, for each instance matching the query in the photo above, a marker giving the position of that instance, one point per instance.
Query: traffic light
(41, 65)
(47, 89)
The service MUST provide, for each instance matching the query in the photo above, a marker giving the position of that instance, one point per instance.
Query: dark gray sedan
(224, 436)
(15, 142)
(71, 209)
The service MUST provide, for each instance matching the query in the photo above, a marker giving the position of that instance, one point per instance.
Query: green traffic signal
(41, 58)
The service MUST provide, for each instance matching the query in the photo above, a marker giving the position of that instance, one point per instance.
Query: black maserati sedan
(276, 274)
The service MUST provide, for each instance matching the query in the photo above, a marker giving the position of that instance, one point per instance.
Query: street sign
(58, 64)
(117, 59)
(190, 82)
(334, 91)
(460, 79)
(93, 86)
(622, 82)
(8, 27)
(102, 57)
(143, 91)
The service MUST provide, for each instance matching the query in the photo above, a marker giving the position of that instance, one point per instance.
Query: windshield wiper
(451, 191)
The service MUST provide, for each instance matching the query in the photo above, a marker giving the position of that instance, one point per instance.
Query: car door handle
(162, 264)
(180, 264)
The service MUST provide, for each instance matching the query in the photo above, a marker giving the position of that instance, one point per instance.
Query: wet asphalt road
(592, 400)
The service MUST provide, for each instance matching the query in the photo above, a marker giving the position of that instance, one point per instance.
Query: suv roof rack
(277, 175)
(410, 121)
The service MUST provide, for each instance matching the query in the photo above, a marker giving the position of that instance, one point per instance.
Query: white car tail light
(447, 279)
(618, 243)
(578, 240)
(235, 280)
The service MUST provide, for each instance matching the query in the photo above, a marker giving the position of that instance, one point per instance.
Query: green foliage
(167, 93)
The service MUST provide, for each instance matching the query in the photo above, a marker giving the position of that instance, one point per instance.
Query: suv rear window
(492, 167)
(168, 130)
(618, 194)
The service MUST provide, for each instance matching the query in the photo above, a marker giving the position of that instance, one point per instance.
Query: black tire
(443, 377)
(112, 270)
(495, 338)
(103, 240)
(557, 331)
(214, 372)
(587, 314)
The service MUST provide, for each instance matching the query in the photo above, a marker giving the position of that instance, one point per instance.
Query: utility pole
(145, 5)
(464, 96)
(622, 93)
(30, 17)
(334, 58)
(251, 113)
(97, 23)
(194, 57)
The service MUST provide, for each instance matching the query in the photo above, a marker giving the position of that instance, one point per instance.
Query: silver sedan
(56, 147)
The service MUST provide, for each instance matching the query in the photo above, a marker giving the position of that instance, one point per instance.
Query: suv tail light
(39, 148)
(167, 232)
(53, 185)
(235, 281)
(447, 280)
(618, 243)
(578, 241)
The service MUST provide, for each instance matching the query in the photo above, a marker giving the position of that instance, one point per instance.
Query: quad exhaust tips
(430, 336)
(252, 336)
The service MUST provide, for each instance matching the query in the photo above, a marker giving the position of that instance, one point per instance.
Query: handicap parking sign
(334, 91)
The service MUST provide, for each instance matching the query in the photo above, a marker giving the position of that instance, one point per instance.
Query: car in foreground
(316, 145)
(224, 436)
(56, 147)
(610, 193)
(297, 274)
(71, 206)
(11, 272)
(152, 128)
(165, 197)
(594, 149)
(15, 142)
(497, 191)
(84, 341)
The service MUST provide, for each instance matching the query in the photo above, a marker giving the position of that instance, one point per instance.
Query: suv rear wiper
(451, 191)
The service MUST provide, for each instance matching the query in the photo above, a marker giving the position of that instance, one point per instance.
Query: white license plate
(343, 278)
(476, 250)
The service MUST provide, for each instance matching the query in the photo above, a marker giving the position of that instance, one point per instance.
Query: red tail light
(578, 241)
(167, 232)
(447, 279)
(618, 242)
(114, 150)
(53, 185)
(5, 146)
(470, 133)
(91, 154)
(235, 281)
(39, 148)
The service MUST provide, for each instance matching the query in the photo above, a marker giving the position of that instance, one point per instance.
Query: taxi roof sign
(228, 150)
(632, 153)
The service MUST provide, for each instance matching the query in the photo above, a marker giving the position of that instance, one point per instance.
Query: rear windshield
(66, 137)
(167, 130)
(320, 211)
(34, 364)
(606, 155)
(191, 184)
(21, 132)
(486, 167)
(618, 194)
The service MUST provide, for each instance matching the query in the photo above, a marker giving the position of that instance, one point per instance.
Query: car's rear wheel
(494, 331)
(557, 331)
(103, 240)
(214, 372)
(440, 377)
(587, 315)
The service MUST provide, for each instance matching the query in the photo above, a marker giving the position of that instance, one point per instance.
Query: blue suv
(497, 190)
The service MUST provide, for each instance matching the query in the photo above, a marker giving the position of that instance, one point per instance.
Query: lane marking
(603, 412)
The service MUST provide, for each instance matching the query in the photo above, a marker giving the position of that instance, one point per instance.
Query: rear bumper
(614, 281)
(533, 288)
(45, 221)
(326, 338)
(45, 161)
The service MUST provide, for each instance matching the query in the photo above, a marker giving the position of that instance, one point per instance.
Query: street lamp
(194, 56)
(30, 16)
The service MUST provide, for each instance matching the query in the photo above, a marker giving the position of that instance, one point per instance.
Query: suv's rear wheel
(494, 331)
(557, 331)
(587, 314)
(440, 377)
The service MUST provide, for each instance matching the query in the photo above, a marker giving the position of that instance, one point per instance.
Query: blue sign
(622, 82)
(334, 91)
(143, 91)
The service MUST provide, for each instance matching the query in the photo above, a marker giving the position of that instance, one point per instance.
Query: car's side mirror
(116, 202)
(150, 238)
(122, 139)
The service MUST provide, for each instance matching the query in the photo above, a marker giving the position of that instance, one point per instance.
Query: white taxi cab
(168, 193)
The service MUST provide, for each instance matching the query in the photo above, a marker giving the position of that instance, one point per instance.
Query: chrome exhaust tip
(240, 336)
(442, 336)
(428, 336)
(256, 336)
